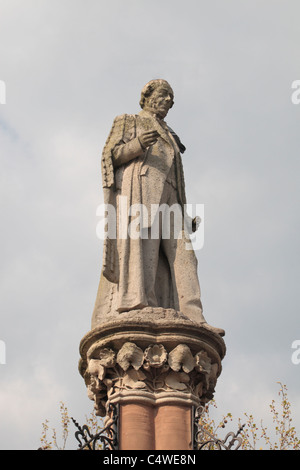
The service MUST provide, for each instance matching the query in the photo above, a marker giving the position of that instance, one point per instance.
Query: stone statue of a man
(142, 168)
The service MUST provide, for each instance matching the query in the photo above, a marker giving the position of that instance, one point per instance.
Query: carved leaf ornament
(130, 355)
(153, 370)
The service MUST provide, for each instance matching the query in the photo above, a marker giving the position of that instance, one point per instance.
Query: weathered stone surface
(168, 360)
(150, 345)
(142, 168)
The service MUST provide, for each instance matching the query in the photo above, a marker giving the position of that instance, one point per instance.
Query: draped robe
(139, 181)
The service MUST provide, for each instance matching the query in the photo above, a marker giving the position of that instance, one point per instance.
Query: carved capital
(167, 359)
(152, 375)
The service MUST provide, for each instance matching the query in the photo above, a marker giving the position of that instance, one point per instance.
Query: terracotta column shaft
(136, 427)
(173, 427)
(165, 427)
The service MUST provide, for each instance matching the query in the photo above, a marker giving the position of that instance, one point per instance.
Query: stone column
(173, 427)
(157, 365)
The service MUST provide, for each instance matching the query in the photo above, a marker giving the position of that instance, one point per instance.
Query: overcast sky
(71, 66)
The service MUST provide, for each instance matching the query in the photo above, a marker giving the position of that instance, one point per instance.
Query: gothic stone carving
(152, 375)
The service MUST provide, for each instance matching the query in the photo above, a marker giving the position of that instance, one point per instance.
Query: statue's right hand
(148, 138)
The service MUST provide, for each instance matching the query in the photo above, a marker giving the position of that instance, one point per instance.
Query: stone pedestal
(157, 365)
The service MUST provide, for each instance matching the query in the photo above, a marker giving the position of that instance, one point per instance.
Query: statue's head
(157, 97)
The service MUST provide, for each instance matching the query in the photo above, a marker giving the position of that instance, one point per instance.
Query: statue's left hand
(195, 223)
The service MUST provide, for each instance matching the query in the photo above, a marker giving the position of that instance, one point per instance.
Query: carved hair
(150, 87)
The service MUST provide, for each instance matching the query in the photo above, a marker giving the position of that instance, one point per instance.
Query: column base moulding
(142, 397)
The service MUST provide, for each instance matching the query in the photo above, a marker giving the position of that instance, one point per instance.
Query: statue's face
(160, 101)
